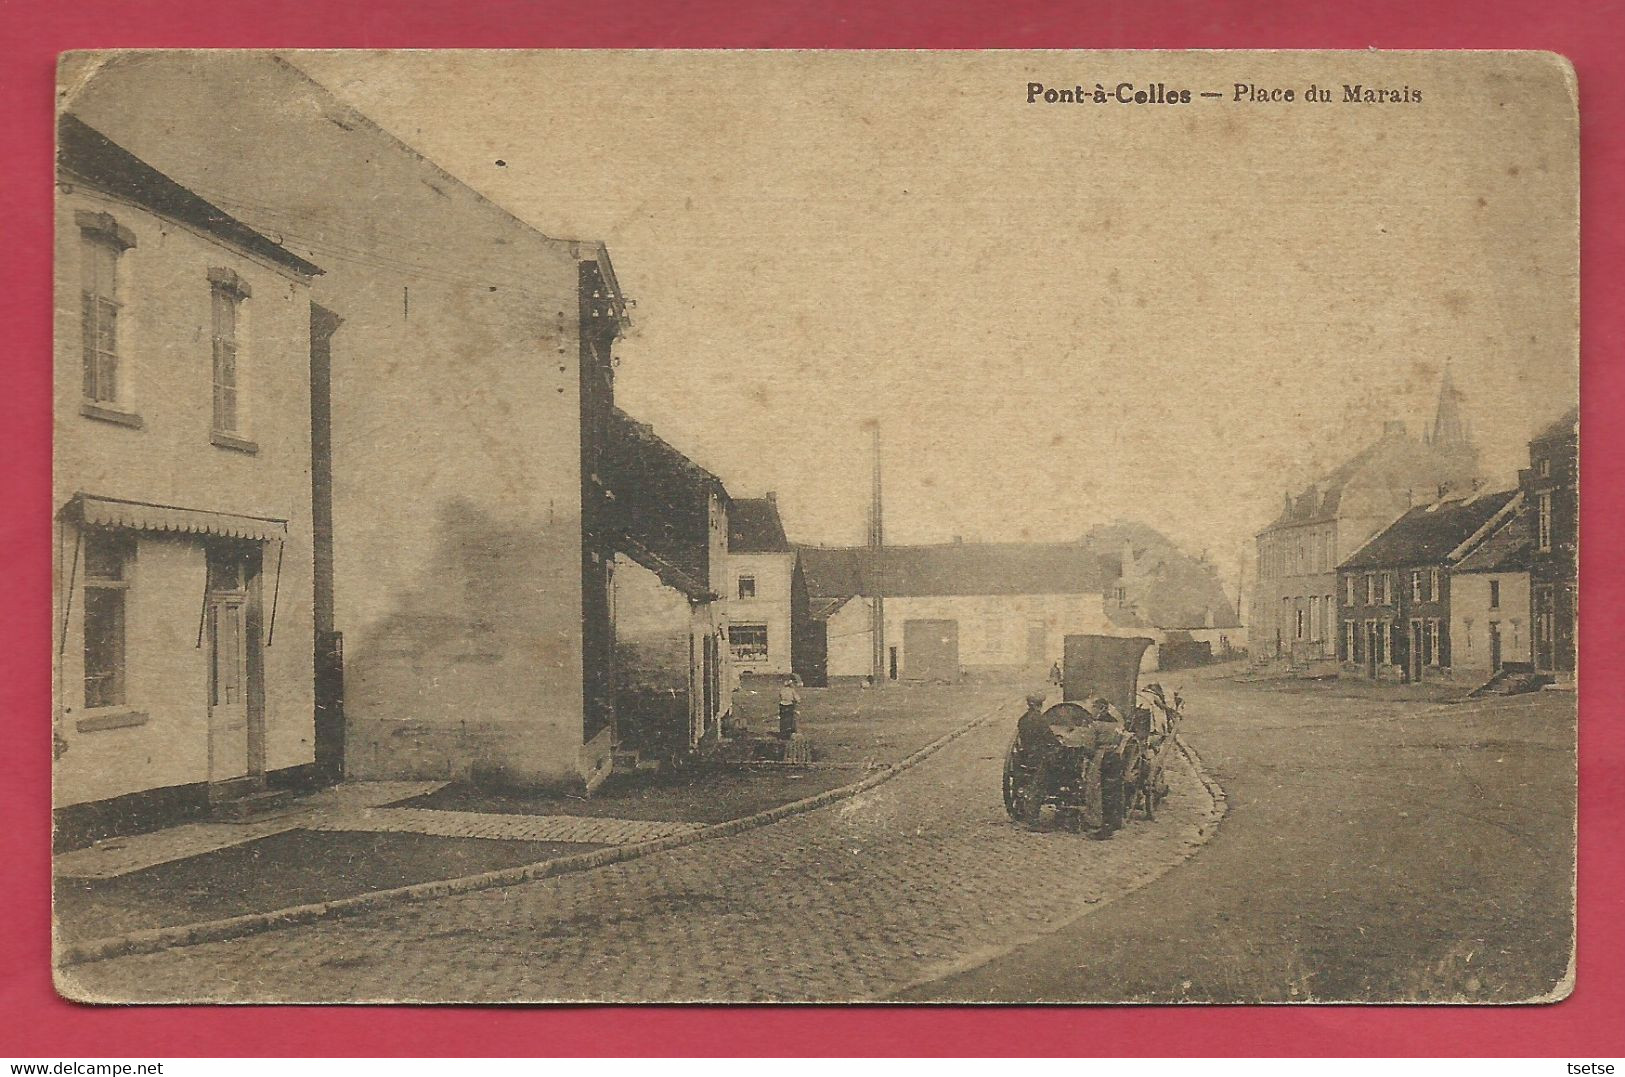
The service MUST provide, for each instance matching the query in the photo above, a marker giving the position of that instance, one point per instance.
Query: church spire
(1449, 425)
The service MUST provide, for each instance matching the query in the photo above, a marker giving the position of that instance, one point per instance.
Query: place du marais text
(1158, 93)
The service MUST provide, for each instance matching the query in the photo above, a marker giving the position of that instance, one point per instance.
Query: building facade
(1490, 629)
(669, 517)
(183, 599)
(1294, 604)
(960, 608)
(1394, 593)
(1552, 486)
(767, 593)
(471, 584)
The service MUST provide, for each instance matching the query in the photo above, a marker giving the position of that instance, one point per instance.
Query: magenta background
(34, 1022)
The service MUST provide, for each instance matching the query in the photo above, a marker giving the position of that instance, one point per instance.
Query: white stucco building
(183, 602)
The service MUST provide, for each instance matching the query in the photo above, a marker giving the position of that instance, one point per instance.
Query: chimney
(773, 497)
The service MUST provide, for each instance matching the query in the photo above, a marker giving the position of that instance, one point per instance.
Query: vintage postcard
(815, 526)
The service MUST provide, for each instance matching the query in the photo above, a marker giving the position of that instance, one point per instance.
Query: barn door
(931, 650)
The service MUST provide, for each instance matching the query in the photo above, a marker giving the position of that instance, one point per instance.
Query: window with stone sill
(228, 292)
(107, 584)
(101, 243)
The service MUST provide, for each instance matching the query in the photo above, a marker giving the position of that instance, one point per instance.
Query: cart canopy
(1105, 666)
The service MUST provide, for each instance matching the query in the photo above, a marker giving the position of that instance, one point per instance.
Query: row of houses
(1403, 563)
(341, 483)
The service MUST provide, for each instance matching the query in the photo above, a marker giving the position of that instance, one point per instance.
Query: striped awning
(141, 516)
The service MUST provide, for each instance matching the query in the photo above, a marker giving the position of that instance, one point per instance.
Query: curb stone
(154, 940)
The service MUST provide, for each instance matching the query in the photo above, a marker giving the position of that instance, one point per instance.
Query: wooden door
(226, 634)
(235, 690)
(1545, 650)
(1495, 646)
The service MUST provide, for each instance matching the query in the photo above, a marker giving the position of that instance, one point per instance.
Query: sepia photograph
(815, 526)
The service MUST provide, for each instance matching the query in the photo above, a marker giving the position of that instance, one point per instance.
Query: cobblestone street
(1374, 849)
(917, 878)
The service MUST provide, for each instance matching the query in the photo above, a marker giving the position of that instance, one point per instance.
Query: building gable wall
(456, 433)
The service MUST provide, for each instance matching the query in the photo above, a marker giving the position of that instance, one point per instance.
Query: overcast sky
(1062, 315)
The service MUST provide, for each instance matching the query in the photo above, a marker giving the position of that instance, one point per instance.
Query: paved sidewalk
(500, 827)
(114, 857)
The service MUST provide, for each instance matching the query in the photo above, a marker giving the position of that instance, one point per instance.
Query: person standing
(788, 698)
(1106, 736)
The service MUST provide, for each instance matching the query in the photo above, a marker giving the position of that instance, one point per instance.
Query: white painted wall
(849, 638)
(1471, 615)
(771, 606)
(992, 629)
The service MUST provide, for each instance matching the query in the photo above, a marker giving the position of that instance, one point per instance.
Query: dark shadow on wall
(474, 672)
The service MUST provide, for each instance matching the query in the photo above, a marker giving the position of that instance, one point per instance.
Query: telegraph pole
(877, 567)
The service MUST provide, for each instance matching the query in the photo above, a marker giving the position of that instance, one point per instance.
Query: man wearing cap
(1036, 745)
(1105, 732)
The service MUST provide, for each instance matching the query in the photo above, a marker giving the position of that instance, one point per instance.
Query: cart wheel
(1011, 797)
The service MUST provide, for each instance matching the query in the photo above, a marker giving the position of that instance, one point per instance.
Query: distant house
(1551, 484)
(1294, 608)
(963, 607)
(1180, 596)
(1394, 592)
(1489, 598)
(183, 604)
(767, 592)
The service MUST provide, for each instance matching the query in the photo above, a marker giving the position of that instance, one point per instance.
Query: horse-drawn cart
(1104, 754)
